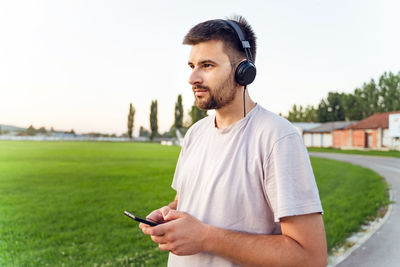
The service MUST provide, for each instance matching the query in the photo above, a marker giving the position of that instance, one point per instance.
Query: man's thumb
(165, 210)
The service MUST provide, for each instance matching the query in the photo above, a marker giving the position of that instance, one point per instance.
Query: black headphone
(246, 71)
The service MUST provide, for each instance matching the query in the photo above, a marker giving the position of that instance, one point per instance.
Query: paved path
(383, 248)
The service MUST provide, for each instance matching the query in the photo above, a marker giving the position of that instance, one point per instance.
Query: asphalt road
(383, 247)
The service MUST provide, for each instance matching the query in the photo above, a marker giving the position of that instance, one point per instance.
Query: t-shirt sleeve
(289, 182)
(175, 181)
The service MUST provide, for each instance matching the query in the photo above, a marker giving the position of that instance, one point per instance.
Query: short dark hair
(218, 29)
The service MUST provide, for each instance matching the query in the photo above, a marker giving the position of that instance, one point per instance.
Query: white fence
(63, 138)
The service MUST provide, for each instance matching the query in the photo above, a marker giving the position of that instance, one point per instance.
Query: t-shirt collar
(236, 124)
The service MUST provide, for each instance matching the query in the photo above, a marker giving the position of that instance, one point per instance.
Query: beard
(219, 97)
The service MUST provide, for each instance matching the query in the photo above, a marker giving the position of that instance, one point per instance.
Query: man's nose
(195, 77)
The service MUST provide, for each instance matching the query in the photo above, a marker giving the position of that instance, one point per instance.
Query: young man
(246, 193)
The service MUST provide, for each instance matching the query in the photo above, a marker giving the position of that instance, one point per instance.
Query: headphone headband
(243, 41)
(246, 70)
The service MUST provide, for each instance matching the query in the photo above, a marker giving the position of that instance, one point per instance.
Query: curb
(359, 238)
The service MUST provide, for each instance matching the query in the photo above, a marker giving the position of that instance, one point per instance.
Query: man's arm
(302, 242)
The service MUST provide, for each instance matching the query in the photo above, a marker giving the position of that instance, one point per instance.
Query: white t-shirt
(243, 178)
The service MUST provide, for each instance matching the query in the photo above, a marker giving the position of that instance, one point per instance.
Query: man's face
(212, 77)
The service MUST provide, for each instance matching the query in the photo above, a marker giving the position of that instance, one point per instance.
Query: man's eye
(207, 65)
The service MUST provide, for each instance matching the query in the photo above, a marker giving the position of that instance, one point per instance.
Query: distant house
(372, 132)
(322, 135)
(304, 126)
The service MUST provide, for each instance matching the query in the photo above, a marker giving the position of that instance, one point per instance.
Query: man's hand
(182, 234)
(156, 216)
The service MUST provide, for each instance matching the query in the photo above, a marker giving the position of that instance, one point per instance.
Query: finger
(173, 215)
(154, 230)
(155, 216)
(159, 239)
(165, 210)
(142, 225)
(164, 247)
(147, 230)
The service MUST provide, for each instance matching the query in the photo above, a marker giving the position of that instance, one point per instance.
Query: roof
(378, 120)
(330, 126)
(11, 128)
(306, 125)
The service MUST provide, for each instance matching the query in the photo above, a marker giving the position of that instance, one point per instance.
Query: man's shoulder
(272, 124)
(204, 122)
(198, 127)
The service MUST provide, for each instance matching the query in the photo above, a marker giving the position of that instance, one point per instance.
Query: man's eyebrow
(206, 61)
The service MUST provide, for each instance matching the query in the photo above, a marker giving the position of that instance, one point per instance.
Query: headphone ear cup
(245, 73)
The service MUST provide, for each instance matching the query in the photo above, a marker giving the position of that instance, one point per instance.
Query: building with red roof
(322, 135)
(372, 132)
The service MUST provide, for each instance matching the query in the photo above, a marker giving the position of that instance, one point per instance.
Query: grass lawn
(351, 195)
(62, 203)
(390, 153)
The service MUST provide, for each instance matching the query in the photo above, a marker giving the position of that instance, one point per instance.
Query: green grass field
(62, 203)
(380, 153)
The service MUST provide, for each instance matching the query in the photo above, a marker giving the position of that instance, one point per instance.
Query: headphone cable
(244, 101)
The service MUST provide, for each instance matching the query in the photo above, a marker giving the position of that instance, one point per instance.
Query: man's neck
(233, 112)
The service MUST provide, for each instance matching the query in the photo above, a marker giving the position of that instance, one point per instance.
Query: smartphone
(130, 215)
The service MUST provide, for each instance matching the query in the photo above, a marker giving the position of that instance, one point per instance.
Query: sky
(78, 64)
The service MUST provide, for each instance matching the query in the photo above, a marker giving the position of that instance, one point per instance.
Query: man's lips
(200, 92)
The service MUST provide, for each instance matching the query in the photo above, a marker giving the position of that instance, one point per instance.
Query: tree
(42, 130)
(153, 120)
(310, 114)
(31, 130)
(322, 112)
(390, 91)
(167, 134)
(352, 107)
(178, 124)
(335, 107)
(131, 120)
(371, 98)
(295, 114)
(197, 114)
(367, 99)
(332, 108)
(143, 132)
